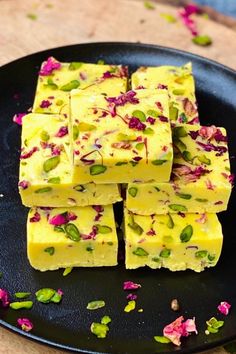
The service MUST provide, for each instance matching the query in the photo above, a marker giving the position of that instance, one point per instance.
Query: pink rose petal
(224, 307)
(18, 118)
(129, 285)
(25, 324)
(4, 298)
(49, 66)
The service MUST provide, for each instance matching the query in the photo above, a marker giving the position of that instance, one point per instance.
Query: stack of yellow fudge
(87, 134)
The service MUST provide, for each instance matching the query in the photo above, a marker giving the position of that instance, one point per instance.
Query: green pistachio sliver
(44, 295)
(157, 189)
(130, 306)
(173, 111)
(105, 320)
(44, 136)
(50, 250)
(186, 233)
(110, 243)
(85, 127)
(162, 339)
(214, 323)
(21, 305)
(99, 329)
(43, 190)
(204, 159)
(211, 257)
(51, 163)
(125, 137)
(121, 163)
(94, 305)
(56, 298)
(201, 200)
(79, 188)
(227, 169)
(75, 65)
(67, 271)
(139, 114)
(133, 191)
(103, 229)
(22, 295)
(72, 232)
(74, 84)
(183, 195)
(180, 132)
(158, 162)
(201, 254)
(136, 228)
(170, 223)
(54, 180)
(187, 156)
(153, 113)
(139, 146)
(178, 92)
(179, 144)
(165, 253)
(51, 84)
(148, 131)
(75, 130)
(212, 330)
(140, 252)
(156, 259)
(97, 169)
(202, 40)
(178, 207)
(58, 228)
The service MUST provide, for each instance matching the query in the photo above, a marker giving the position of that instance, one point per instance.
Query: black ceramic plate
(67, 325)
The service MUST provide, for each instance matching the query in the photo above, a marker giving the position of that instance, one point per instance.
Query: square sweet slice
(57, 79)
(179, 81)
(121, 139)
(201, 178)
(46, 167)
(71, 237)
(176, 242)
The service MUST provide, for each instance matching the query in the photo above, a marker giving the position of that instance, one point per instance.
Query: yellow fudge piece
(45, 167)
(71, 237)
(56, 80)
(201, 179)
(121, 139)
(176, 242)
(180, 83)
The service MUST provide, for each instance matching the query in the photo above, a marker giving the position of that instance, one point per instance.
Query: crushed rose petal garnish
(131, 297)
(45, 104)
(61, 219)
(18, 118)
(178, 328)
(4, 298)
(62, 132)
(23, 184)
(25, 324)
(129, 285)
(49, 66)
(35, 218)
(224, 307)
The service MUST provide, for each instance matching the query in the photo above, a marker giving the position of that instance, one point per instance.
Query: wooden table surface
(28, 26)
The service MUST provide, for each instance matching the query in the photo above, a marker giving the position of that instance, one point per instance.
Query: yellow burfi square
(46, 167)
(179, 82)
(176, 242)
(201, 178)
(121, 139)
(71, 237)
(57, 79)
